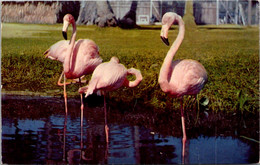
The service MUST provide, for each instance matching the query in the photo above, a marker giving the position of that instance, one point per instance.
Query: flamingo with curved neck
(83, 57)
(110, 76)
(79, 58)
(180, 77)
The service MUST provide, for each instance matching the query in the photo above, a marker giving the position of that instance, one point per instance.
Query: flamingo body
(104, 80)
(186, 78)
(85, 58)
(110, 76)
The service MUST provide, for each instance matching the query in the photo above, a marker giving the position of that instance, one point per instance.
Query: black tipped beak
(64, 35)
(165, 40)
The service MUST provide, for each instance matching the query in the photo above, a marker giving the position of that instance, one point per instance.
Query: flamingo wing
(107, 76)
(57, 51)
(87, 47)
(113, 76)
(85, 56)
(187, 77)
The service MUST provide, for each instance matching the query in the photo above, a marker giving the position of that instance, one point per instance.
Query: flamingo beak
(164, 35)
(64, 29)
(64, 35)
(165, 40)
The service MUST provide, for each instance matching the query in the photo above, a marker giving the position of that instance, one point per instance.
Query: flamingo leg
(72, 82)
(183, 152)
(64, 138)
(184, 138)
(81, 131)
(65, 96)
(81, 107)
(81, 121)
(105, 113)
(106, 128)
(59, 81)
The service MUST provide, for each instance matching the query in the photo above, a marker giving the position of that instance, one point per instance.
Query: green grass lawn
(230, 56)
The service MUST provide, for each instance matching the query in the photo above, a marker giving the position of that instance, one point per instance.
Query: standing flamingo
(180, 77)
(110, 76)
(78, 58)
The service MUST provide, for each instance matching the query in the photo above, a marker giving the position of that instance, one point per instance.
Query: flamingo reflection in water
(86, 153)
(185, 152)
(180, 77)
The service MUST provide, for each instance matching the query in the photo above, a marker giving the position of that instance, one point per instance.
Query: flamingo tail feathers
(87, 90)
(90, 89)
(46, 53)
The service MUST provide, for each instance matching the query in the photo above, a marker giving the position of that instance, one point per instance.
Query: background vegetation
(229, 54)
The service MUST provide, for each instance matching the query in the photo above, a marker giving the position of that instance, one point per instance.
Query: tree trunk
(129, 20)
(96, 13)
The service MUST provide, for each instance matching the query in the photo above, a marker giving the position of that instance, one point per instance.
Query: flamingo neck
(138, 79)
(166, 66)
(176, 44)
(67, 60)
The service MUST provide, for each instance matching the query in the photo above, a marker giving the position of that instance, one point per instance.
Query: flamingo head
(164, 35)
(167, 21)
(67, 20)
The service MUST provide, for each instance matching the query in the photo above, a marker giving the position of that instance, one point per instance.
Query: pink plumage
(180, 77)
(57, 51)
(187, 78)
(110, 76)
(84, 59)
(82, 56)
(79, 58)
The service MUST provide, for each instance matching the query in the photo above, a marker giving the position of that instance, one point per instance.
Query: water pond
(36, 130)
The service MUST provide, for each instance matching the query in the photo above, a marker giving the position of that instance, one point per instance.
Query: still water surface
(61, 139)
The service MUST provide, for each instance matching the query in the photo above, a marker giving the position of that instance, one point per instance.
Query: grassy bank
(230, 55)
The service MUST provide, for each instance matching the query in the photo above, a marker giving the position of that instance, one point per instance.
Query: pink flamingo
(79, 58)
(180, 77)
(110, 76)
